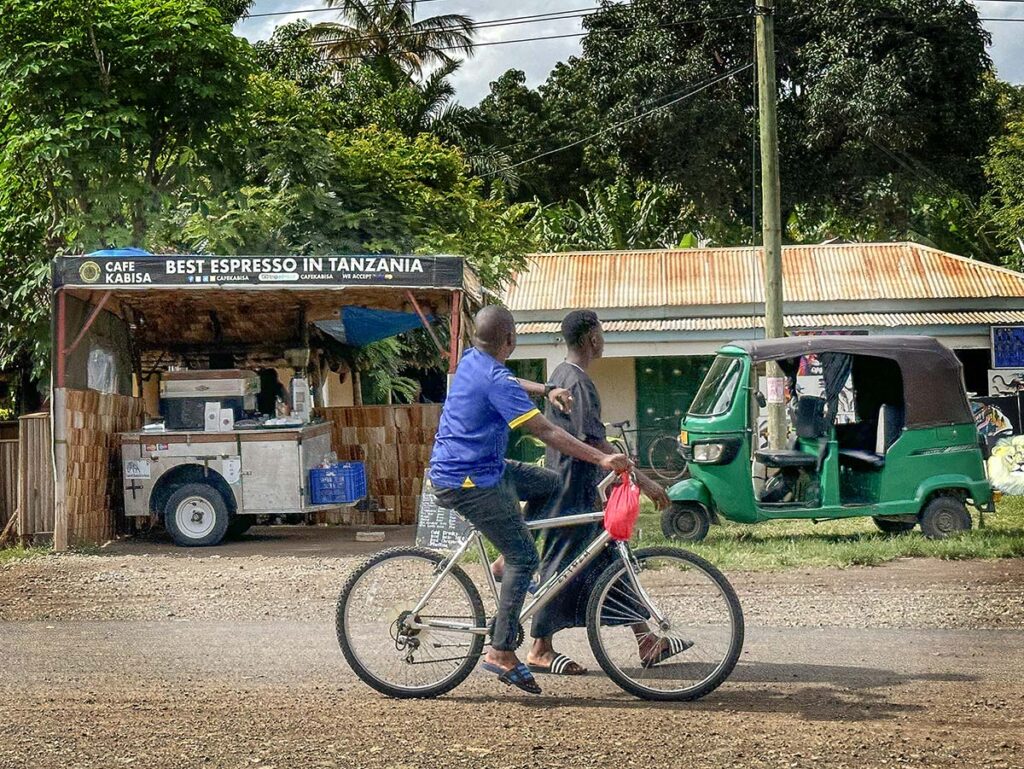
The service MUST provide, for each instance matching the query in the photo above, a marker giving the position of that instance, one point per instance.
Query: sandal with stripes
(561, 665)
(670, 647)
(519, 677)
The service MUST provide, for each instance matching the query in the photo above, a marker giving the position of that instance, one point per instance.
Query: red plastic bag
(623, 509)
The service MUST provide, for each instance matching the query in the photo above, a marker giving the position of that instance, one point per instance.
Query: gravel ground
(146, 656)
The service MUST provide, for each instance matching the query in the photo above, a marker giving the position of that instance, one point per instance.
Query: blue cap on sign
(121, 252)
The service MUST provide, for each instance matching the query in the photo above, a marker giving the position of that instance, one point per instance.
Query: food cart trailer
(121, 317)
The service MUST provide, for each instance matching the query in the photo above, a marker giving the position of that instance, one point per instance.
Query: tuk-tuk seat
(859, 459)
(888, 429)
(809, 422)
(786, 458)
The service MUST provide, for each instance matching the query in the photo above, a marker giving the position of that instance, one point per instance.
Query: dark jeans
(496, 514)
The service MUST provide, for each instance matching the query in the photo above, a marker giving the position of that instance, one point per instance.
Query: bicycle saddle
(623, 423)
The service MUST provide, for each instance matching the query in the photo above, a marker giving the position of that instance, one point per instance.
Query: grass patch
(11, 554)
(780, 545)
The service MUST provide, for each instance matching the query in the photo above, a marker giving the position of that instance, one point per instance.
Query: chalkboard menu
(438, 527)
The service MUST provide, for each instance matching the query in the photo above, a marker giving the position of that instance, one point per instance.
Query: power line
(982, 18)
(627, 121)
(310, 10)
(506, 22)
(542, 37)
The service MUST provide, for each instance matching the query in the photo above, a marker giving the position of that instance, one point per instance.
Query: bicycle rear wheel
(664, 458)
(373, 606)
(698, 607)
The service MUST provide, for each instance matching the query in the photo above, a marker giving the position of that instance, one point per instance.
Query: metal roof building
(665, 311)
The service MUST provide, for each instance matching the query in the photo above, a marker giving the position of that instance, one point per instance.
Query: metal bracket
(426, 324)
(88, 323)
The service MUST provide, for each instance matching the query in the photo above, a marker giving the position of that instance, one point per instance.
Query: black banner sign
(267, 271)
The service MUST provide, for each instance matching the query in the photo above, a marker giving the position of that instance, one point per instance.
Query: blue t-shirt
(484, 401)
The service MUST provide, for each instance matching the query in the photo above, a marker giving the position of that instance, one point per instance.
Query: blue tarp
(121, 252)
(359, 326)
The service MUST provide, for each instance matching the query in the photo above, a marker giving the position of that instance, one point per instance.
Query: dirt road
(148, 657)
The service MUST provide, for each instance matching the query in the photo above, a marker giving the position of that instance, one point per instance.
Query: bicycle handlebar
(602, 487)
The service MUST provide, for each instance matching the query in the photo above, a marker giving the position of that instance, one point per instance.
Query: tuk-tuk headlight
(708, 453)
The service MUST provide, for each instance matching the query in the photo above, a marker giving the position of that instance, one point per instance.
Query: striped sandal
(519, 677)
(671, 649)
(561, 665)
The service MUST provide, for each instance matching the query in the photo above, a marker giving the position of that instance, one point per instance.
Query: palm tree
(384, 33)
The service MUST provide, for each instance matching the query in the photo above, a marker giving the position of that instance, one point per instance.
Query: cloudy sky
(536, 58)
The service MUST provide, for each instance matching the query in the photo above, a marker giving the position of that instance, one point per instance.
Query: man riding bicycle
(471, 476)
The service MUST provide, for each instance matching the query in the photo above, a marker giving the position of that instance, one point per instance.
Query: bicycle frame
(546, 592)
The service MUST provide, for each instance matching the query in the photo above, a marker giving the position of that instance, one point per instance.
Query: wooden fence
(35, 479)
(395, 443)
(8, 480)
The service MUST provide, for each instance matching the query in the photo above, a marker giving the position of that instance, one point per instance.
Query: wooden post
(58, 349)
(58, 427)
(771, 213)
(455, 327)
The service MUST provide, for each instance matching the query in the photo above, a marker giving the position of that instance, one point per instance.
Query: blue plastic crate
(339, 484)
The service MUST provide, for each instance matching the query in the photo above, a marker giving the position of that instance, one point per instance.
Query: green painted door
(665, 386)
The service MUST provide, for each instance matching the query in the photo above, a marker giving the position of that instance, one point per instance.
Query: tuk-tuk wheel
(894, 527)
(688, 521)
(944, 516)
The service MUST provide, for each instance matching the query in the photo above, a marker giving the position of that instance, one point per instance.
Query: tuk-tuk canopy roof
(933, 383)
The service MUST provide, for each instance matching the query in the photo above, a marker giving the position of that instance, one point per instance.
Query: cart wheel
(195, 515)
(239, 524)
(894, 527)
(944, 516)
(685, 520)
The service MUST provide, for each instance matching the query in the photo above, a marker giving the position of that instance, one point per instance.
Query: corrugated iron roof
(830, 320)
(722, 276)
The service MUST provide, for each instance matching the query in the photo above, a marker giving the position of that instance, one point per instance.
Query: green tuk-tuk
(886, 432)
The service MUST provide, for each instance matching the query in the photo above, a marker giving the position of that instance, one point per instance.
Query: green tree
(105, 109)
(385, 34)
(869, 94)
(1004, 169)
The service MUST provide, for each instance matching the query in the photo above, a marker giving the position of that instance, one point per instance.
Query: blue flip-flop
(519, 677)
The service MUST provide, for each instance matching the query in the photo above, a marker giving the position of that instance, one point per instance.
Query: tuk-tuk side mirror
(761, 400)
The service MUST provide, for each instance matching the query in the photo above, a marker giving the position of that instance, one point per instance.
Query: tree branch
(100, 60)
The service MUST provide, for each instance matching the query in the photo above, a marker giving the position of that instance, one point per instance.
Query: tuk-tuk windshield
(716, 392)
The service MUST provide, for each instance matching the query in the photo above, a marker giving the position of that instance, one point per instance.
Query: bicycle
(411, 623)
(663, 457)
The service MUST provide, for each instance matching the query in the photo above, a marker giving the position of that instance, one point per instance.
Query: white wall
(616, 382)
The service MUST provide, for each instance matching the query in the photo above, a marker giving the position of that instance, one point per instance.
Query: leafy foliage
(619, 216)
(105, 109)
(148, 123)
(885, 109)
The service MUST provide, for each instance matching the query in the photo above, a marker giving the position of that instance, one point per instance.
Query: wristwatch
(548, 387)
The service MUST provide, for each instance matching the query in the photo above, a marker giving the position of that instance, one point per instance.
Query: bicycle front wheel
(674, 631)
(373, 616)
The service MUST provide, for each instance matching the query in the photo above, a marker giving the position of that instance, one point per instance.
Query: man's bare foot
(505, 660)
(654, 649)
(543, 658)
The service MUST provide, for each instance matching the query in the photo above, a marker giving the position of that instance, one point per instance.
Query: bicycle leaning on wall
(411, 622)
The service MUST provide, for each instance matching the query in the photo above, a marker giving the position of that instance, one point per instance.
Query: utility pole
(771, 213)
